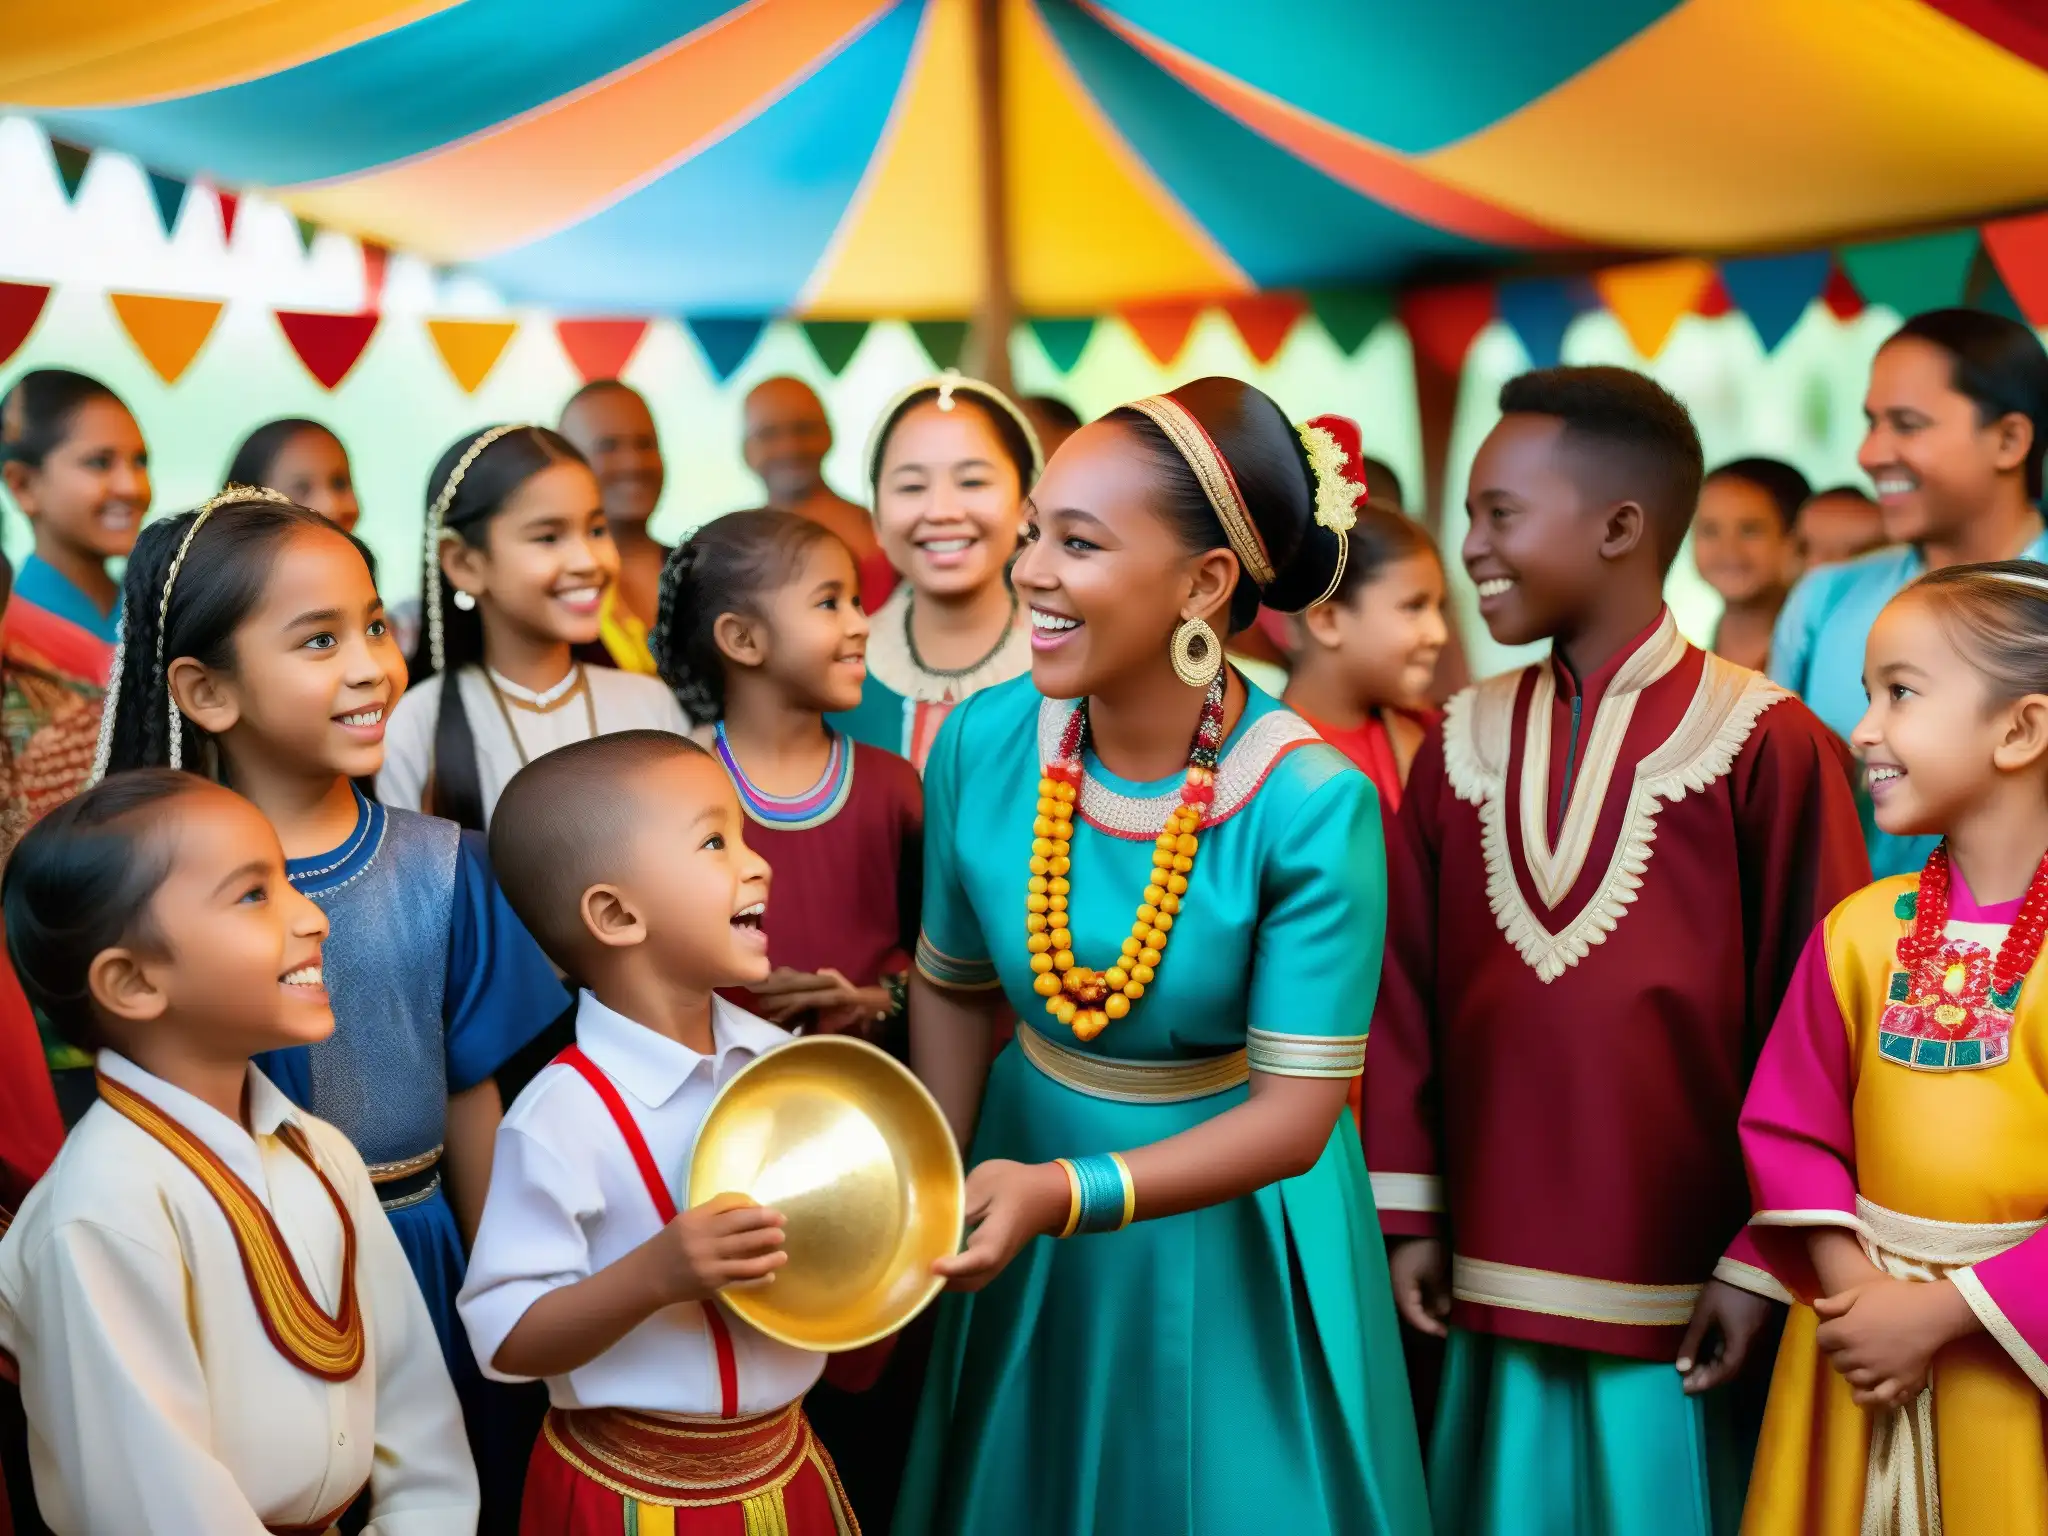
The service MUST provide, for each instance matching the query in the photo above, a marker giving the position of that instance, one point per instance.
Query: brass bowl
(851, 1149)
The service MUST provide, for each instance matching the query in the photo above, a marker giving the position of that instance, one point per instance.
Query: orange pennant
(167, 332)
(471, 348)
(1162, 329)
(2019, 249)
(1264, 321)
(1648, 297)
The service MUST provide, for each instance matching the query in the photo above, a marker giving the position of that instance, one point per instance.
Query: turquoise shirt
(49, 589)
(1817, 652)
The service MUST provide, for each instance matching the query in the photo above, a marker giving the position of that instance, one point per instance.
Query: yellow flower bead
(1166, 840)
(1090, 1024)
(1134, 990)
(1187, 844)
(1039, 943)
(1040, 866)
(1147, 958)
(1056, 903)
(1164, 921)
(1148, 914)
(1168, 903)
(1042, 827)
(1062, 938)
(1116, 1005)
(1042, 846)
(1035, 902)
(1177, 885)
(1116, 976)
(1142, 976)
(1059, 886)
(1063, 960)
(1155, 896)
(1066, 1010)
(1041, 962)
(1048, 786)
(1068, 793)
(1035, 922)
(1052, 1002)
(1131, 948)
(1182, 863)
(1155, 939)
(1061, 864)
(1037, 886)
(1161, 859)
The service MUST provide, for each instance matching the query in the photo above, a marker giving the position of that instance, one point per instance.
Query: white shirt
(622, 701)
(567, 1200)
(156, 1401)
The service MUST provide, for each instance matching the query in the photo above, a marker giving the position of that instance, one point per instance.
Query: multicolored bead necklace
(1083, 999)
(2016, 955)
(792, 813)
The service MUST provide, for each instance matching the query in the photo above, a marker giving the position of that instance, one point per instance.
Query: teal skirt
(1540, 1440)
(1228, 1370)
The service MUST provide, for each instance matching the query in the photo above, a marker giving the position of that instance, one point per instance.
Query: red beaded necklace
(2015, 956)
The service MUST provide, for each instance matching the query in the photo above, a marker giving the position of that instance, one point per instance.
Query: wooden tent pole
(990, 354)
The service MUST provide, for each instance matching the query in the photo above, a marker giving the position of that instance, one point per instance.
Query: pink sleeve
(1797, 1135)
(2009, 1294)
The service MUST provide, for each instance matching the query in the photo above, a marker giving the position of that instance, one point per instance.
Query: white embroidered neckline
(890, 661)
(1478, 727)
(1240, 772)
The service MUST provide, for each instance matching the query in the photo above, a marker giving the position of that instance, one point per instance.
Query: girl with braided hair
(761, 636)
(254, 650)
(518, 562)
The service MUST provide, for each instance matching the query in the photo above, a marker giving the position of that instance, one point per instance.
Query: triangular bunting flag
(1540, 310)
(169, 193)
(1064, 338)
(471, 348)
(943, 341)
(328, 344)
(1714, 302)
(1925, 272)
(1989, 290)
(230, 205)
(308, 233)
(1265, 321)
(835, 341)
(376, 266)
(1841, 297)
(1648, 297)
(167, 332)
(2019, 247)
(1443, 322)
(1162, 329)
(71, 163)
(1351, 316)
(600, 349)
(1775, 290)
(21, 305)
(726, 342)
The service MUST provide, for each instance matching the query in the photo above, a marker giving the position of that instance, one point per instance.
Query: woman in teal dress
(950, 461)
(1217, 1353)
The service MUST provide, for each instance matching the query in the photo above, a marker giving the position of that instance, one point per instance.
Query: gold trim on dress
(610, 1447)
(404, 1168)
(1285, 1055)
(1132, 1082)
(1478, 727)
(1407, 1191)
(1519, 1289)
(1748, 1277)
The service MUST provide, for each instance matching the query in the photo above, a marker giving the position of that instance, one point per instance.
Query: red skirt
(610, 1472)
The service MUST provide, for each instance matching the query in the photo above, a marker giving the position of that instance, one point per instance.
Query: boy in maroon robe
(1605, 868)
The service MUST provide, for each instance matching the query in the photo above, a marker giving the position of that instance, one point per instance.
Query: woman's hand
(841, 1007)
(1008, 1204)
(1883, 1336)
(1422, 1291)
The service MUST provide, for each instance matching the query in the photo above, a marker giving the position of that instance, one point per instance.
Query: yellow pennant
(471, 348)
(1648, 297)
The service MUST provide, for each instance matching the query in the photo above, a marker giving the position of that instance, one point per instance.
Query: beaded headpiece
(1212, 471)
(437, 533)
(104, 750)
(951, 384)
(1336, 458)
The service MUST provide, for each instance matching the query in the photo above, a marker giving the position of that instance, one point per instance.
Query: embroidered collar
(324, 873)
(792, 813)
(546, 698)
(1134, 811)
(1653, 652)
(891, 664)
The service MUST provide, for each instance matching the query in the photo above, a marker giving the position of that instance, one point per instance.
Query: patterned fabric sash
(665, 1209)
(1132, 1082)
(330, 1347)
(685, 1463)
(1901, 1488)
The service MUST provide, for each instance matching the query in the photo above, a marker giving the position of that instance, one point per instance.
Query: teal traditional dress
(1229, 1370)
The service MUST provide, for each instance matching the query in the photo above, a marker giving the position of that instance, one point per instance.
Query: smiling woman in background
(1742, 544)
(1958, 413)
(950, 462)
(304, 461)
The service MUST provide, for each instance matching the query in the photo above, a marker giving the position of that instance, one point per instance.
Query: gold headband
(1192, 442)
(948, 384)
(437, 650)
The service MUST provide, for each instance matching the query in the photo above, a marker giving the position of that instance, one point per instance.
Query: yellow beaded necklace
(1083, 999)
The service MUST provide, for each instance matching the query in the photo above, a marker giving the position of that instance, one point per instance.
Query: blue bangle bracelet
(1106, 1193)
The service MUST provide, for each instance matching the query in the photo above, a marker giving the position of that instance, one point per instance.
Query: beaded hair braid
(691, 674)
(437, 532)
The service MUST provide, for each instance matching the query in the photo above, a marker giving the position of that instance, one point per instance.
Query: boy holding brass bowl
(626, 857)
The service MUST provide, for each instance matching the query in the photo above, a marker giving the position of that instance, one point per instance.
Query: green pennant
(169, 193)
(1925, 272)
(1987, 290)
(835, 341)
(308, 233)
(943, 341)
(71, 163)
(1351, 316)
(1064, 339)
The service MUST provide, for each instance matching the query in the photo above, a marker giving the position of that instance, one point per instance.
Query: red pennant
(328, 345)
(600, 349)
(1443, 322)
(1840, 295)
(376, 262)
(230, 205)
(2019, 249)
(1714, 303)
(1265, 321)
(21, 305)
(1162, 329)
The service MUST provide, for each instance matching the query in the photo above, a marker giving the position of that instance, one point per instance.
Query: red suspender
(665, 1208)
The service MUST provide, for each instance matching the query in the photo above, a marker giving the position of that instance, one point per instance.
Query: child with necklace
(1895, 1125)
(518, 561)
(951, 461)
(254, 649)
(761, 636)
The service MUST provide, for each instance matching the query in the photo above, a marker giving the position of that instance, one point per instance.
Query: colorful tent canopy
(823, 156)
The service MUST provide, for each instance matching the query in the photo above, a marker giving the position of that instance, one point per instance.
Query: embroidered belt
(409, 1181)
(684, 1463)
(324, 1524)
(1485, 1283)
(1132, 1082)
(1901, 1487)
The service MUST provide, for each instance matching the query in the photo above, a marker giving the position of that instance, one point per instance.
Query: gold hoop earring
(1197, 654)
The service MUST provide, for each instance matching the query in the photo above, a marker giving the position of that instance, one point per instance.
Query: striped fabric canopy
(823, 156)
